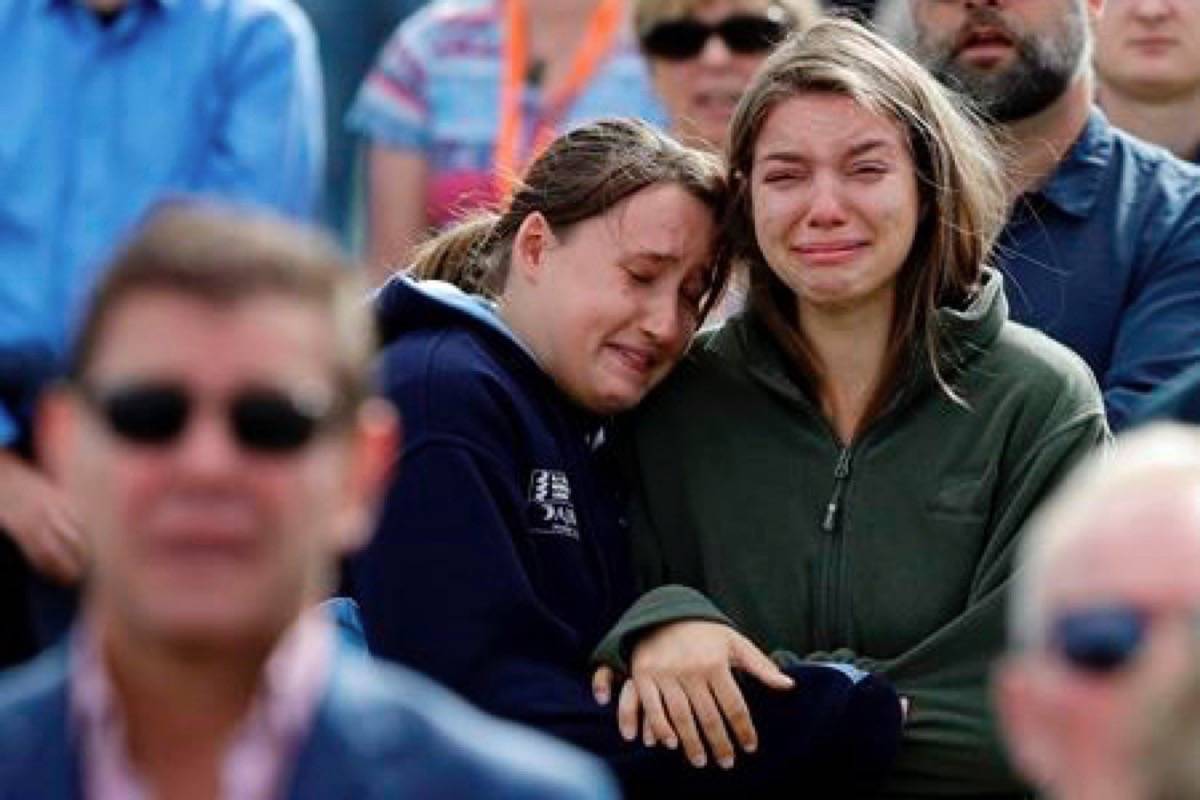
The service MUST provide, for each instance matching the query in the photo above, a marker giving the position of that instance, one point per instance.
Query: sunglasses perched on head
(261, 420)
(1100, 640)
(743, 34)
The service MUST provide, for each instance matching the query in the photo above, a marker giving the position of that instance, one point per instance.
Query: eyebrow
(861, 148)
(656, 256)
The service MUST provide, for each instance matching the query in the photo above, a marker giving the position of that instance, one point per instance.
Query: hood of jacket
(403, 305)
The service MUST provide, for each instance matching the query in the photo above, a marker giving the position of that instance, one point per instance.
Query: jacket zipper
(840, 473)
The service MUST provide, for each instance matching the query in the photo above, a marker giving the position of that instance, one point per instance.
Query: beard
(1044, 66)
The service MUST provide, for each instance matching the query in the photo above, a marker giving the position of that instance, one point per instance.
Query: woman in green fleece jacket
(843, 471)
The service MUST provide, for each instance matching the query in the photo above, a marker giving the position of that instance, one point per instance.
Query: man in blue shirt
(108, 106)
(1102, 248)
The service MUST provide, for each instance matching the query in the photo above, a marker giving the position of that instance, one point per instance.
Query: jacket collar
(45, 750)
(1074, 187)
(745, 340)
(403, 305)
(339, 738)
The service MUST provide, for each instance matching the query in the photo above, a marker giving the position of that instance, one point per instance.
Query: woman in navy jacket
(501, 555)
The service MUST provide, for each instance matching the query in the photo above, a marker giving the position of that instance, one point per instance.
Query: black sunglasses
(262, 420)
(744, 34)
(1100, 640)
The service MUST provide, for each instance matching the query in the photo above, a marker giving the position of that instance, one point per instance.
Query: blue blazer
(381, 732)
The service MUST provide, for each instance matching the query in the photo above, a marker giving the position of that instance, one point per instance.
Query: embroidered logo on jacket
(550, 508)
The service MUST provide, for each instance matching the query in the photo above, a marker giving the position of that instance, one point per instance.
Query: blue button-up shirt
(97, 122)
(1105, 258)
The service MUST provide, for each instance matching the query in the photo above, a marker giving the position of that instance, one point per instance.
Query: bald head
(1103, 607)
(1122, 521)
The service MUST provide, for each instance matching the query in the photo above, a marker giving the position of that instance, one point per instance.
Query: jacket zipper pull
(840, 473)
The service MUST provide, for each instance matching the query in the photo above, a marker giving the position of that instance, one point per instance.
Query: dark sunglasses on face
(744, 34)
(1100, 640)
(262, 420)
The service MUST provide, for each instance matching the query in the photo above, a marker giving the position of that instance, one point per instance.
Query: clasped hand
(681, 683)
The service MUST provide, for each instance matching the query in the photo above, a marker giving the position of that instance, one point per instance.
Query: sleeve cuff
(671, 603)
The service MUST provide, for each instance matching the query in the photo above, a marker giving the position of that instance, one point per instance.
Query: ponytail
(462, 255)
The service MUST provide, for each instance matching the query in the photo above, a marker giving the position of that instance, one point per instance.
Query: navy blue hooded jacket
(500, 559)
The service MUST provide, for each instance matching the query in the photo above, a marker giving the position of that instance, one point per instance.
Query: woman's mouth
(829, 253)
(635, 359)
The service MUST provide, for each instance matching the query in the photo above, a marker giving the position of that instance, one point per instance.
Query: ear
(533, 240)
(374, 451)
(1024, 719)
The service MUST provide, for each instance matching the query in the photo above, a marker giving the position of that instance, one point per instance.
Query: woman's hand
(682, 683)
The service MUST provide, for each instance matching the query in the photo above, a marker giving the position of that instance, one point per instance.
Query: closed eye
(779, 177)
(640, 275)
(869, 169)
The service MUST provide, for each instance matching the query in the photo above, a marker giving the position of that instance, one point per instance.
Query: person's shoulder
(1050, 375)
(282, 17)
(465, 379)
(1177, 400)
(726, 366)
(1158, 172)
(433, 331)
(400, 721)
(448, 20)
(31, 687)
(461, 363)
(719, 352)
(33, 705)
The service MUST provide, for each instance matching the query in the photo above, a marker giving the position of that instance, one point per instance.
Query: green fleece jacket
(892, 553)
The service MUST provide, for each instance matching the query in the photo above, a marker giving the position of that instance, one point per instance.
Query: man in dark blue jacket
(1102, 247)
(218, 435)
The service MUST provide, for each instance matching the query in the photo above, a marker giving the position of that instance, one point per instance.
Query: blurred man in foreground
(218, 436)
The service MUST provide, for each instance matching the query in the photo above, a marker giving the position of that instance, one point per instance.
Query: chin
(192, 630)
(617, 402)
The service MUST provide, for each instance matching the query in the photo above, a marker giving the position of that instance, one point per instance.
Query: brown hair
(223, 256)
(959, 183)
(581, 174)
(799, 14)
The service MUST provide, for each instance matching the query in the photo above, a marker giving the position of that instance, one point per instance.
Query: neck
(556, 28)
(512, 312)
(1173, 124)
(851, 347)
(1040, 142)
(181, 705)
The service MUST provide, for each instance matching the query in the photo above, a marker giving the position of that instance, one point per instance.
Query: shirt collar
(264, 744)
(1074, 187)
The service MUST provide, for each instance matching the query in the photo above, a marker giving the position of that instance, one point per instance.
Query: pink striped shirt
(257, 763)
